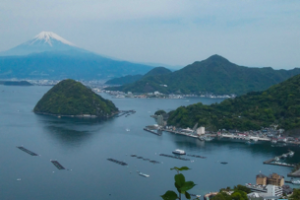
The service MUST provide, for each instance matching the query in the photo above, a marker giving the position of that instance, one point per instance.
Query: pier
(117, 161)
(274, 161)
(57, 164)
(181, 133)
(176, 157)
(27, 151)
(154, 132)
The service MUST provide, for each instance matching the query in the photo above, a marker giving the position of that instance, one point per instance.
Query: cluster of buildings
(268, 187)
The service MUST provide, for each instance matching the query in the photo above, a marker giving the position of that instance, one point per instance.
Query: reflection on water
(70, 131)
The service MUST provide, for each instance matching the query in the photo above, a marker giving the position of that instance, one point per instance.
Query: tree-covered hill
(124, 80)
(280, 104)
(214, 75)
(157, 71)
(132, 79)
(73, 98)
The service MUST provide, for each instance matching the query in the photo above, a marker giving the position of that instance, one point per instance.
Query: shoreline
(86, 116)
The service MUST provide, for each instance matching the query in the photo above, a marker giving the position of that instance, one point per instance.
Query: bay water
(82, 146)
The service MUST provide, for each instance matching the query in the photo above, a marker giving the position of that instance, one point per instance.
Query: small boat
(144, 175)
(277, 158)
(127, 129)
(179, 152)
(224, 163)
(296, 182)
(291, 153)
(206, 138)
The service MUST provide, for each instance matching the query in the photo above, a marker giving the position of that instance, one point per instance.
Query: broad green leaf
(187, 195)
(187, 186)
(179, 180)
(175, 168)
(169, 195)
(184, 168)
(177, 187)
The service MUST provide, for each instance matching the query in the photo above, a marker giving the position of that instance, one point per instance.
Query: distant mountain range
(280, 105)
(133, 78)
(49, 56)
(214, 75)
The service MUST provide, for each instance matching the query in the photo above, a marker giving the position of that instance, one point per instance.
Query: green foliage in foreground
(181, 185)
(73, 98)
(280, 104)
(295, 195)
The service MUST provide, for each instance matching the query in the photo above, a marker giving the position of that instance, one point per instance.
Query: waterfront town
(270, 187)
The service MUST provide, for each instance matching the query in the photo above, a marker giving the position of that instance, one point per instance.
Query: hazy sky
(175, 32)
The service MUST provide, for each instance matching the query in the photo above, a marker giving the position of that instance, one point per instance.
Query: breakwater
(159, 133)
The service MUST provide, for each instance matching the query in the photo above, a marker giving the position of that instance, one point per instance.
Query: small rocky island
(73, 99)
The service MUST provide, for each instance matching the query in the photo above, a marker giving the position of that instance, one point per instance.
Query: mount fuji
(49, 56)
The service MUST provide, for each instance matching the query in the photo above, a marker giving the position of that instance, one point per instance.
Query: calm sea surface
(83, 146)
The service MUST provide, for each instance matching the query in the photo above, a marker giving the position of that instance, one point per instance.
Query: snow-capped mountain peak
(48, 36)
(43, 42)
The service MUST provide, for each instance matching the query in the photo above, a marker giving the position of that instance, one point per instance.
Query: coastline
(77, 116)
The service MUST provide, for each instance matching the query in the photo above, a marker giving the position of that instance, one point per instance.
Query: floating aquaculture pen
(145, 159)
(57, 164)
(117, 161)
(195, 156)
(176, 157)
(27, 151)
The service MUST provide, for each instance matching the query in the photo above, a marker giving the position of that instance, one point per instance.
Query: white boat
(179, 152)
(144, 175)
(296, 182)
(291, 153)
(127, 129)
(206, 138)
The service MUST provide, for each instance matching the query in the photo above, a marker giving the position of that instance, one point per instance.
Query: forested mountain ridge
(280, 104)
(131, 79)
(214, 75)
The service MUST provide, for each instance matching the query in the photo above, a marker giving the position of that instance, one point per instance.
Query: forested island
(72, 98)
(15, 83)
(280, 105)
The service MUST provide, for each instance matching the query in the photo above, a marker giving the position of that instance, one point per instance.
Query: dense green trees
(72, 98)
(295, 195)
(214, 75)
(280, 104)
